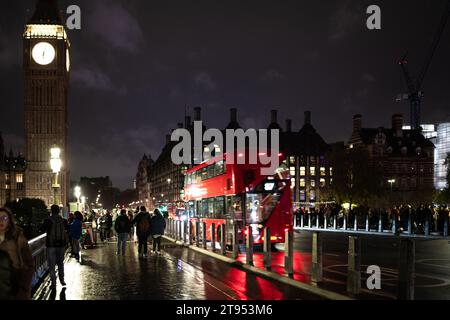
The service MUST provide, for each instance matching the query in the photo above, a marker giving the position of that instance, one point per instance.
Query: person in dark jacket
(16, 262)
(158, 225)
(56, 229)
(143, 230)
(122, 226)
(75, 231)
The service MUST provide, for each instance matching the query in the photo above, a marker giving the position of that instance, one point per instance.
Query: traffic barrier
(289, 253)
(354, 265)
(380, 223)
(325, 223)
(223, 240)
(267, 249)
(409, 225)
(317, 220)
(406, 269)
(249, 246)
(355, 223)
(301, 220)
(367, 223)
(213, 237)
(316, 267)
(334, 222)
(345, 222)
(394, 224)
(427, 227)
(309, 220)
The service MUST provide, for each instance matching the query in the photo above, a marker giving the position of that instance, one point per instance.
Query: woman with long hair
(16, 261)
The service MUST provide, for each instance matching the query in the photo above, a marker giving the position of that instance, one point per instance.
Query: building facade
(442, 150)
(46, 70)
(405, 157)
(12, 176)
(143, 182)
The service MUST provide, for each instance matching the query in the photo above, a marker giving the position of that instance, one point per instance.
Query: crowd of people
(403, 217)
(16, 262)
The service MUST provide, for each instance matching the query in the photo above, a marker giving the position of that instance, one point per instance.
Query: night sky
(136, 64)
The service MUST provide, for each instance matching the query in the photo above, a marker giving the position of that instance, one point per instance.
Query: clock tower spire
(46, 69)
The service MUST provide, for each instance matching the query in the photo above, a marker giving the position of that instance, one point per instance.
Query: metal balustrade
(39, 253)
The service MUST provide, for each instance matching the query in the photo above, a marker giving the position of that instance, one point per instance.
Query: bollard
(249, 247)
(355, 223)
(190, 234)
(446, 227)
(197, 233)
(289, 253)
(427, 227)
(354, 265)
(204, 235)
(316, 267)
(334, 222)
(394, 224)
(309, 220)
(380, 223)
(344, 226)
(406, 273)
(409, 225)
(267, 249)
(223, 240)
(367, 223)
(235, 243)
(213, 237)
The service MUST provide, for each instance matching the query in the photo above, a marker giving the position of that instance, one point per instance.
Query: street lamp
(55, 165)
(77, 193)
(391, 181)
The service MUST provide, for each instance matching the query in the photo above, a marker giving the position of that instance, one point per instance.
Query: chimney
(307, 117)
(397, 125)
(288, 125)
(233, 115)
(357, 123)
(187, 122)
(274, 116)
(197, 114)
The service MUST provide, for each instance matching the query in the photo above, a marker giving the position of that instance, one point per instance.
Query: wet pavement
(178, 274)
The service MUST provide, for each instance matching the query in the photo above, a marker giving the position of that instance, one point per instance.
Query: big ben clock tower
(46, 67)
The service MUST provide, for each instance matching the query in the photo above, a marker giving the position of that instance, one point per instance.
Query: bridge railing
(376, 224)
(39, 253)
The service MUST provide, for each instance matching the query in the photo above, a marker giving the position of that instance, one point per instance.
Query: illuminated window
(312, 195)
(313, 183)
(331, 171)
(302, 195)
(292, 171)
(19, 177)
(292, 160)
(322, 182)
(303, 171)
(322, 171)
(292, 183)
(331, 180)
(302, 183)
(312, 171)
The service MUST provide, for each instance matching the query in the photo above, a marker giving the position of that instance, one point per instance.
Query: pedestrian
(130, 218)
(75, 232)
(158, 225)
(142, 222)
(70, 219)
(56, 242)
(16, 261)
(122, 226)
(108, 223)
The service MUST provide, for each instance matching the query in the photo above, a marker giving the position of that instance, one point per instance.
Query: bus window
(199, 210)
(229, 208)
(219, 207)
(211, 208)
(219, 168)
(259, 206)
(211, 171)
(204, 173)
(204, 208)
(237, 207)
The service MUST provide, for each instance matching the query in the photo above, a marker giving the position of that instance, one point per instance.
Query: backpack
(58, 233)
(122, 224)
(143, 225)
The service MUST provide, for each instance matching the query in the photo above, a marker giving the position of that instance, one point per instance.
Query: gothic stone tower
(46, 64)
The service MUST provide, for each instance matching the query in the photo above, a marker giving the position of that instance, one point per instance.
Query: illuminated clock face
(43, 53)
(67, 60)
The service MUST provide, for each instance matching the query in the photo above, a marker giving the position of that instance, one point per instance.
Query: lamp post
(55, 165)
(77, 193)
(391, 181)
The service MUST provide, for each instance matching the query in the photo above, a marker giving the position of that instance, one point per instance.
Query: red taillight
(246, 232)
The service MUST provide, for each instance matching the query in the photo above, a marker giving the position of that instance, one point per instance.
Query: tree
(29, 214)
(355, 178)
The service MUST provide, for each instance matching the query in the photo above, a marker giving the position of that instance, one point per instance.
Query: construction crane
(414, 86)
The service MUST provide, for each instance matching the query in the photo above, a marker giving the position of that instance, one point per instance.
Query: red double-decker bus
(223, 193)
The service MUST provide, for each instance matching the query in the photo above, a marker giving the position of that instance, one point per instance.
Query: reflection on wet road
(178, 274)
